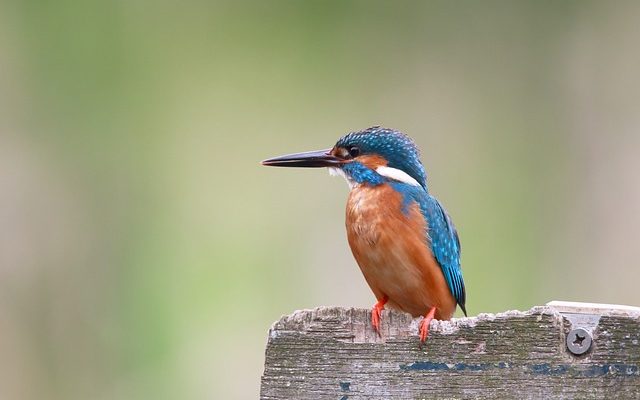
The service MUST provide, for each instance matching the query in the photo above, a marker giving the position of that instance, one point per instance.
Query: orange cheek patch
(372, 161)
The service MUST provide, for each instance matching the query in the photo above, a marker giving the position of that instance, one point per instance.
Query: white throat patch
(339, 172)
(388, 172)
(397, 175)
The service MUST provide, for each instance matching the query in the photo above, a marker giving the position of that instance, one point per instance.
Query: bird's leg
(424, 324)
(375, 313)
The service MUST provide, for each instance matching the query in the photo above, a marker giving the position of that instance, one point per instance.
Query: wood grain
(332, 353)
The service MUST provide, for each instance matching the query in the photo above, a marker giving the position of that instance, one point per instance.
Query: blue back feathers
(441, 236)
(401, 153)
(397, 148)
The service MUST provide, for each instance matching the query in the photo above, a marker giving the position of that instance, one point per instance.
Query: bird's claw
(424, 325)
(375, 319)
(376, 312)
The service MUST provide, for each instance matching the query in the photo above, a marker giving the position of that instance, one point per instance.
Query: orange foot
(424, 324)
(375, 313)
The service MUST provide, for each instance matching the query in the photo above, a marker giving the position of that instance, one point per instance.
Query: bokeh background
(144, 252)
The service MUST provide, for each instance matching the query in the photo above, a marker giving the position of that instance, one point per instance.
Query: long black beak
(309, 159)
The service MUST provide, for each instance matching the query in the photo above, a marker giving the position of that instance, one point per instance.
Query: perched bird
(401, 237)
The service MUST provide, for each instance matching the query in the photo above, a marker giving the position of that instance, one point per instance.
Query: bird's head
(368, 156)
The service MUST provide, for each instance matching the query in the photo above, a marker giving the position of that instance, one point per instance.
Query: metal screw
(578, 341)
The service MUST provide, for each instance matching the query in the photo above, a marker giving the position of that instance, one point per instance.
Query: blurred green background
(144, 252)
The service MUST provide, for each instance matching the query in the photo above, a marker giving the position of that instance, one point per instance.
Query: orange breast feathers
(391, 248)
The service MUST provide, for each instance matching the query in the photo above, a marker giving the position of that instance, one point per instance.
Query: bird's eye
(354, 151)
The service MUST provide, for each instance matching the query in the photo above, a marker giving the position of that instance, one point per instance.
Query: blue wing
(442, 237)
(445, 245)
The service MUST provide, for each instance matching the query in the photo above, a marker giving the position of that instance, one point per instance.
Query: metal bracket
(584, 319)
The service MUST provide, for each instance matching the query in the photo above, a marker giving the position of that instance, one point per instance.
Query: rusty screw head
(578, 341)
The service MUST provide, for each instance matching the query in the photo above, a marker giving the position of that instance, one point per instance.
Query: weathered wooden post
(560, 350)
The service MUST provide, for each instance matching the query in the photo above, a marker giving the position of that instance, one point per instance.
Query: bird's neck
(357, 173)
(361, 174)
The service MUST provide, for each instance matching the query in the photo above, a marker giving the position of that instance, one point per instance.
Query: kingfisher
(401, 237)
